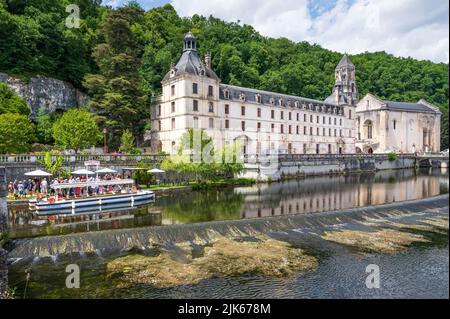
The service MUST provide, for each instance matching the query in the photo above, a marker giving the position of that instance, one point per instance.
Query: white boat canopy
(83, 172)
(106, 171)
(156, 170)
(38, 173)
(93, 184)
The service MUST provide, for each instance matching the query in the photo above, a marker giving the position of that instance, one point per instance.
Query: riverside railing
(79, 158)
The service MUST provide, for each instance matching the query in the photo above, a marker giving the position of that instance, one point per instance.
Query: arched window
(368, 125)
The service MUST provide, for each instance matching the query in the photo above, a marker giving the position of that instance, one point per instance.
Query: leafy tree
(127, 142)
(44, 127)
(76, 129)
(16, 133)
(55, 167)
(117, 91)
(12, 103)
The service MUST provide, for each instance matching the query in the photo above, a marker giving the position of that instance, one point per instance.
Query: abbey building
(262, 122)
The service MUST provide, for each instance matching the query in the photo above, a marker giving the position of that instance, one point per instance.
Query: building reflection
(339, 193)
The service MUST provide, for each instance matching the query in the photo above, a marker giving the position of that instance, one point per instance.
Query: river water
(419, 272)
(309, 195)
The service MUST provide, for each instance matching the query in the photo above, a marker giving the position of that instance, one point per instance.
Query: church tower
(345, 89)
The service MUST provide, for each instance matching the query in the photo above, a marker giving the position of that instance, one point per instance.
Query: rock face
(52, 94)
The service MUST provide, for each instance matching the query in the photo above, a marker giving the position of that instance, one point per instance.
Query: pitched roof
(190, 63)
(345, 61)
(408, 106)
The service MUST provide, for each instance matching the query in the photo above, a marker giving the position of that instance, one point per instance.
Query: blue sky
(417, 28)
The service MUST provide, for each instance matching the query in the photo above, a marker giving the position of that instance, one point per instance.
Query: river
(275, 210)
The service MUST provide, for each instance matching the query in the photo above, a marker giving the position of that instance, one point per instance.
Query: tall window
(298, 130)
(329, 120)
(304, 130)
(290, 116)
(259, 112)
(340, 122)
(195, 106)
(395, 124)
(298, 116)
(304, 117)
(159, 110)
(173, 107)
(350, 114)
(210, 107)
(210, 91)
(242, 110)
(272, 114)
(227, 109)
(173, 124)
(368, 128)
(243, 125)
(194, 88)
(282, 115)
(311, 118)
(258, 126)
(329, 148)
(304, 148)
(281, 128)
(195, 122)
(290, 129)
(211, 123)
(227, 123)
(318, 131)
(311, 131)
(172, 90)
(334, 121)
(318, 119)
(317, 148)
(272, 128)
(324, 120)
(324, 131)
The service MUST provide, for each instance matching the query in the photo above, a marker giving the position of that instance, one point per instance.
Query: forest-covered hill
(120, 56)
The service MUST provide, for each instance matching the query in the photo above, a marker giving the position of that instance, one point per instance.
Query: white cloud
(417, 28)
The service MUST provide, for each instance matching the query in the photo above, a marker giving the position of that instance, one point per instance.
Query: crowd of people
(23, 188)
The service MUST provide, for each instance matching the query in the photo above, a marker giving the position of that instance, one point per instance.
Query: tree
(117, 90)
(127, 142)
(76, 129)
(11, 103)
(16, 133)
(44, 127)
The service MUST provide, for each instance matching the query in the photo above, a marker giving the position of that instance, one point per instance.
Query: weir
(113, 241)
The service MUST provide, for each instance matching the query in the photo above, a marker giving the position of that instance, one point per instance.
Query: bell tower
(190, 42)
(345, 89)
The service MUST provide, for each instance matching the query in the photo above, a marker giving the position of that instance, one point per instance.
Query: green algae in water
(223, 258)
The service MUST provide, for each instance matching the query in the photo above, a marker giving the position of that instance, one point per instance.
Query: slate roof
(266, 96)
(409, 106)
(345, 61)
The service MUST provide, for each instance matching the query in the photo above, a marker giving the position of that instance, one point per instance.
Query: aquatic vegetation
(441, 223)
(223, 258)
(387, 241)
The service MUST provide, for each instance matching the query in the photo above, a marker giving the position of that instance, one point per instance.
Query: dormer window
(258, 98)
(242, 97)
(280, 102)
(226, 94)
(272, 101)
(172, 73)
(297, 104)
(210, 91)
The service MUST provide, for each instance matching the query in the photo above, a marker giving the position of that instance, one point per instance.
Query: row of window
(194, 90)
(290, 128)
(272, 114)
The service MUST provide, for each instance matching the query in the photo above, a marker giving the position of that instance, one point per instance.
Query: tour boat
(57, 206)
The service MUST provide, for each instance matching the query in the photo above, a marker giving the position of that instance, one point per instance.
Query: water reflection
(309, 195)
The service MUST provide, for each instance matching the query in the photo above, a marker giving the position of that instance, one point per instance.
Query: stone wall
(317, 166)
(52, 94)
(3, 253)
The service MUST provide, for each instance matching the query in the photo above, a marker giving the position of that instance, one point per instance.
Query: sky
(416, 28)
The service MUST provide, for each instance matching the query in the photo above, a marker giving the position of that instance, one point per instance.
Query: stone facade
(262, 122)
(52, 94)
(385, 126)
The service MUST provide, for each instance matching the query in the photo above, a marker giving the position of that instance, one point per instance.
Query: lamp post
(105, 146)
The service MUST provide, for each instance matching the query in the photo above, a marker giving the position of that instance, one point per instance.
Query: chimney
(208, 60)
